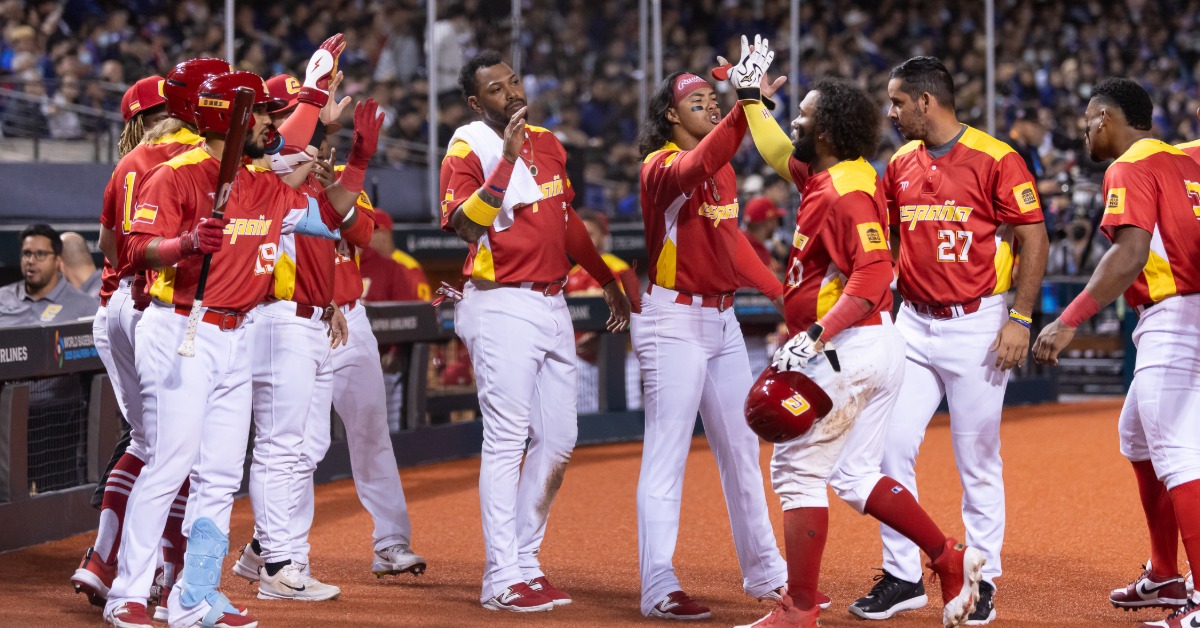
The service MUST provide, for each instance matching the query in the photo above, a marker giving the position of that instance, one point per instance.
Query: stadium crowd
(580, 66)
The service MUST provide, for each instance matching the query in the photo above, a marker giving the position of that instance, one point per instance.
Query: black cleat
(985, 609)
(889, 596)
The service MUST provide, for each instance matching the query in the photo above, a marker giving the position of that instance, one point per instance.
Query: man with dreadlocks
(688, 341)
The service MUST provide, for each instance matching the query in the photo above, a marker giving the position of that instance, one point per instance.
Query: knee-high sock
(1160, 520)
(112, 507)
(804, 534)
(174, 543)
(1186, 498)
(894, 506)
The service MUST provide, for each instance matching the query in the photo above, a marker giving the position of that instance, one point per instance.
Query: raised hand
(332, 111)
(514, 135)
(367, 124)
(322, 68)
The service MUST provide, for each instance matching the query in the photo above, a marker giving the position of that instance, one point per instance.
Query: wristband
(749, 93)
(318, 135)
(497, 182)
(1020, 319)
(1082, 308)
(478, 211)
(352, 178)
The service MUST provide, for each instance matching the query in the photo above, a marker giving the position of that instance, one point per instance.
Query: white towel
(489, 147)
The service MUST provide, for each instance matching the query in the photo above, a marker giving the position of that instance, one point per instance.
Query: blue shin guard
(201, 579)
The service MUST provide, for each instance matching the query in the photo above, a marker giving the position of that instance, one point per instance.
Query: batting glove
(322, 67)
(796, 353)
(205, 238)
(747, 74)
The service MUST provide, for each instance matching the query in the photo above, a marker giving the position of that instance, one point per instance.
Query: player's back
(1156, 187)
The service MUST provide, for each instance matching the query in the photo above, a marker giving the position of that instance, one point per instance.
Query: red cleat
(786, 615)
(94, 577)
(129, 615)
(677, 605)
(556, 595)
(959, 568)
(520, 598)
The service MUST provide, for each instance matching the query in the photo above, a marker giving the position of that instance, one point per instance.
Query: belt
(103, 301)
(720, 301)
(945, 311)
(225, 321)
(307, 311)
(548, 288)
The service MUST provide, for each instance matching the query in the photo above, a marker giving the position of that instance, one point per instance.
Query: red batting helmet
(183, 81)
(286, 88)
(783, 405)
(142, 95)
(214, 100)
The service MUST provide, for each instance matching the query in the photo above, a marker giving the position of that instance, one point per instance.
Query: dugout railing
(59, 419)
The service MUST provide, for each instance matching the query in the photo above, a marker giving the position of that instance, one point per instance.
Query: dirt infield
(1075, 530)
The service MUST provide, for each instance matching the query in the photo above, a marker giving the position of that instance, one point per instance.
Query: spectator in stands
(63, 122)
(451, 34)
(1026, 135)
(762, 222)
(44, 296)
(1076, 254)
(79, 267)
(390, 274)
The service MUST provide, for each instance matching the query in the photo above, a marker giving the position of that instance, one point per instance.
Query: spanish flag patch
(145, 214)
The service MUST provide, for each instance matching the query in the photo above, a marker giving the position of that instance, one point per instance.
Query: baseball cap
(760, 209)
(383, 222)
(591, 215)
(141, 96)
(284, 87)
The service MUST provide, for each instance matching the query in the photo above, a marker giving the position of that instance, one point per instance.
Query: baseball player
(1151, 194)
(838, 277)
(357, 392)
(957, 197)
(122, 300)
(506, 193)
(195, 409)
(580, 283)
(689, 343)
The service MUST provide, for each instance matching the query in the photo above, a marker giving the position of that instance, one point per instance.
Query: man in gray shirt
(44, 296)
(78, 266)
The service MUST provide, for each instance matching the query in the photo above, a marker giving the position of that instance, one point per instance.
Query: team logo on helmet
(796, 404)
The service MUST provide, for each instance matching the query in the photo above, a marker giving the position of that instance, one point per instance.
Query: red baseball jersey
(534, 248)
(178, 193)
(304, 265)
(949, 211)
(117, 212)
(1192, 149)
(1156, 187)
(348, 280)
(691, 217)
(385, 279)
(841, 225)
(580, 282)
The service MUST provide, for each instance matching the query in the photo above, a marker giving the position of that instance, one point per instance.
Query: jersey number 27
(953, 246)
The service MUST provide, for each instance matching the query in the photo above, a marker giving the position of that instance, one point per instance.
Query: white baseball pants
(357, 390)
(694, 359)
(288, 351)
(114, 330)
(196, 420)
(522, 346)
(1158, 420)
(951, 357)
(845, 449)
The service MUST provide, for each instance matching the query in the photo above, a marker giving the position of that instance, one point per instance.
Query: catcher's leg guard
(201, 579)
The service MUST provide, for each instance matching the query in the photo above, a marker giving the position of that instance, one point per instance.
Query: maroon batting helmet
(783, 405)
(214, 100)
(183, 82)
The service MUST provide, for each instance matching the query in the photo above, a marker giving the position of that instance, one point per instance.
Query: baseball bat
(231, 161)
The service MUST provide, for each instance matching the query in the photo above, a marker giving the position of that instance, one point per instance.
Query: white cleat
(291, 583)
(248, 563)
(397, 559)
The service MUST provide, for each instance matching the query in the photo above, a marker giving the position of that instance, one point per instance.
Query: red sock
(1160, 519)
(116, 498)
(174, 543)
(804, 534)
(1186, 498)
(894, 506)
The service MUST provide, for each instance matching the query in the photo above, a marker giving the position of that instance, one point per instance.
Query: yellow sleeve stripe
(907, 148)
(853, 176)
(984, 143)
(459, 149)
(405, 260)
(1191, 144)
(479, 211)
(194, 156)
(770, 140)
(1142, 149)
(669, 146)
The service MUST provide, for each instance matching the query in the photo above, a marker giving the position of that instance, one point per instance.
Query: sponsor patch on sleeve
(145, 214)
(871, 234)
(1115, 203)
(1027, 199)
